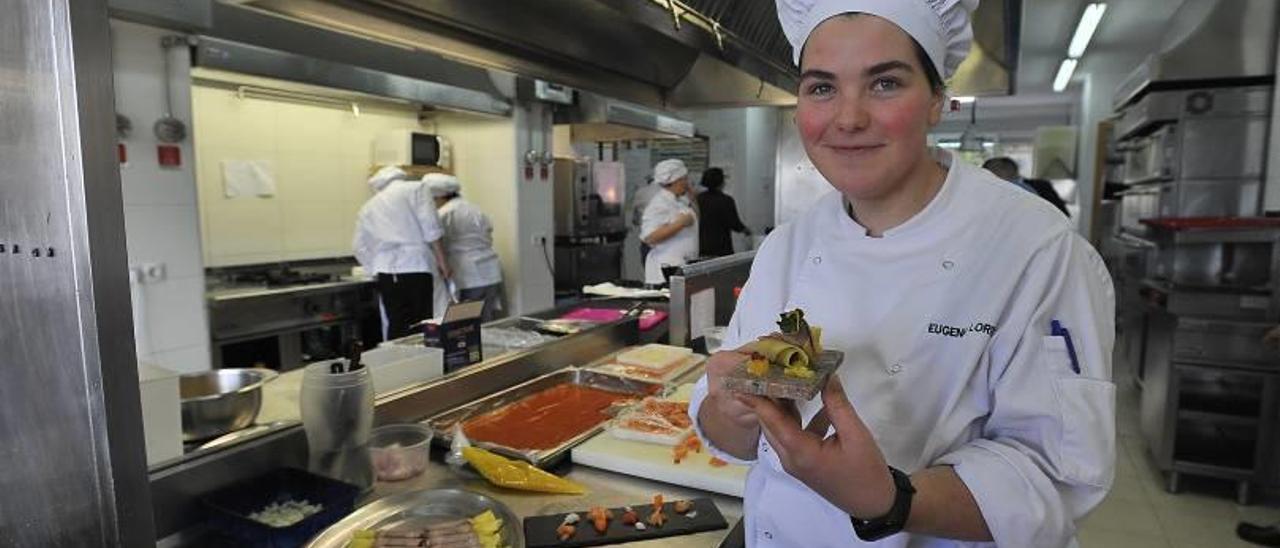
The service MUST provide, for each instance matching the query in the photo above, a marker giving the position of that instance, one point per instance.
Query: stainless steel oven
(590, 198)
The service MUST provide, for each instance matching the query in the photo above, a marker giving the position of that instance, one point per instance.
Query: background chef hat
(669, 171)
(386, 176)
(442, 184)
(941, 27)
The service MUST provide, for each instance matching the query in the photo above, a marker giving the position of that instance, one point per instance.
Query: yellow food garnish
(364, 538)
(487, 527)
(515, 474)
(758, 366)
(798, 372)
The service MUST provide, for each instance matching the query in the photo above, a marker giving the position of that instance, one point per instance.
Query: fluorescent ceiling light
(1084, 31)
(964, 99)
(1065, 71)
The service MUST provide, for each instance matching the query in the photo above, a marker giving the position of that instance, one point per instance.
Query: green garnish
(791, 322)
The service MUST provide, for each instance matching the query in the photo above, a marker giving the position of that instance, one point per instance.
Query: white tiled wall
(321, 158)
(161, 215)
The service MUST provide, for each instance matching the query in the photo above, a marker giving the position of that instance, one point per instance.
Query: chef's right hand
(728, 404)
(686, 219)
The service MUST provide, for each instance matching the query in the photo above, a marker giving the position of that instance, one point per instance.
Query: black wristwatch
(892, 523)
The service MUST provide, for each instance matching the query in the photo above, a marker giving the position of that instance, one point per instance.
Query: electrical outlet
(153, 273)
(539, 240)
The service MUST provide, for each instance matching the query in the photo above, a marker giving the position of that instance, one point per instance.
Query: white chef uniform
(945, 322)
(676, 250)
(468, 240)
(394, 227)
(469, 245)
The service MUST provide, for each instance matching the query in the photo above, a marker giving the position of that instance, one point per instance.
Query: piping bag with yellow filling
(514, 474)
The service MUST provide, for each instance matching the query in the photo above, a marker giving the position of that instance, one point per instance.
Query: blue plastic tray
(229, 508)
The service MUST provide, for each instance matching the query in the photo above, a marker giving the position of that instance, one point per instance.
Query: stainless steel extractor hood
(598, 118)
(1209, 41)
(252, 42)
(664, 54)
(220, 54)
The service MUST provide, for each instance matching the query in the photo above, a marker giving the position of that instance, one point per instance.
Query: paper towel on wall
(242, 178)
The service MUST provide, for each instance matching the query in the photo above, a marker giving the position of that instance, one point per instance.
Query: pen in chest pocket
(1057, 330)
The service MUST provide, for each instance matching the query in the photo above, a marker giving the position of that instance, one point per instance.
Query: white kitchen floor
(1139, 513)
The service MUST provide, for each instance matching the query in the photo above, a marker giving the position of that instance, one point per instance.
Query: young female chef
(669, 225)
(974, 403)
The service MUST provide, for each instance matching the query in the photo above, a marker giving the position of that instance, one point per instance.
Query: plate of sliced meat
(439, 518)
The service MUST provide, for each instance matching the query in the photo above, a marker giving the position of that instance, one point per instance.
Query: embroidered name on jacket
(980, 328)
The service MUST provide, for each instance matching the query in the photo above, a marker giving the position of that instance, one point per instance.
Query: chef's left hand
(847, 468)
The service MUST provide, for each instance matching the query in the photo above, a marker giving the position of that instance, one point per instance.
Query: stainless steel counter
(176, 488)
(255, 323)
(604, 489)
(221, 295)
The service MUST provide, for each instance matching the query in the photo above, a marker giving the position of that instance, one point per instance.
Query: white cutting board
(653, 461)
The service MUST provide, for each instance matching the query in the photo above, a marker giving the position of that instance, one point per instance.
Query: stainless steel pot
(220, 401)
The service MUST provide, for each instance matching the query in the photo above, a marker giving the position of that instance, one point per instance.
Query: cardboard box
(457, 334)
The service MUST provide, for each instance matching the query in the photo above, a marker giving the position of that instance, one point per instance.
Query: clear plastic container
(715, 337)
(337, 415)
(400, 451)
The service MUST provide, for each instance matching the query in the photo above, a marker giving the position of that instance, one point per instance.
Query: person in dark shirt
(1005, 168)
(719, 216)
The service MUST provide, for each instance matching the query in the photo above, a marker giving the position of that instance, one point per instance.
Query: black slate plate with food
(776, 384)
(541, 531)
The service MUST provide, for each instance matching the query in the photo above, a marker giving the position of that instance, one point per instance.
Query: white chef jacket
(945, 322)
(393, 230)
(676, 250)
(641, 202)
(468, 242)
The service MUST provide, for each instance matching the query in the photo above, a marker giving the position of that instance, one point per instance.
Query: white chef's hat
(669, 171)
(941, 27)
(442, 184)
(386, 176)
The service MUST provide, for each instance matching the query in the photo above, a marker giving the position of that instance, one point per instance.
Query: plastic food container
(400, 451)
(230, 509)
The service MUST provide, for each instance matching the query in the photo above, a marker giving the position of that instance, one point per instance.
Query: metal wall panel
(74, 469)
(184, 14)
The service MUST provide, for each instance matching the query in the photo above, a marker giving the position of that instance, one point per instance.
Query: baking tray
(421, 507)
(778, 385)
(442, 424)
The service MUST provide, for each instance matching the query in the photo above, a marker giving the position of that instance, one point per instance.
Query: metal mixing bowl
(220, 401)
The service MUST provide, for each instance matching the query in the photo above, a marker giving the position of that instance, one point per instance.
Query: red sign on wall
(169, 155)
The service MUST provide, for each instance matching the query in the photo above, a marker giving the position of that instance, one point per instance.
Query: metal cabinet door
(1223, 148)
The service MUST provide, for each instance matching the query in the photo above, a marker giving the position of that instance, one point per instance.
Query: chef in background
(468, 240)
(643, 196)
(719, 216)
(669, 225)
(398, 240)
(1005, 168)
